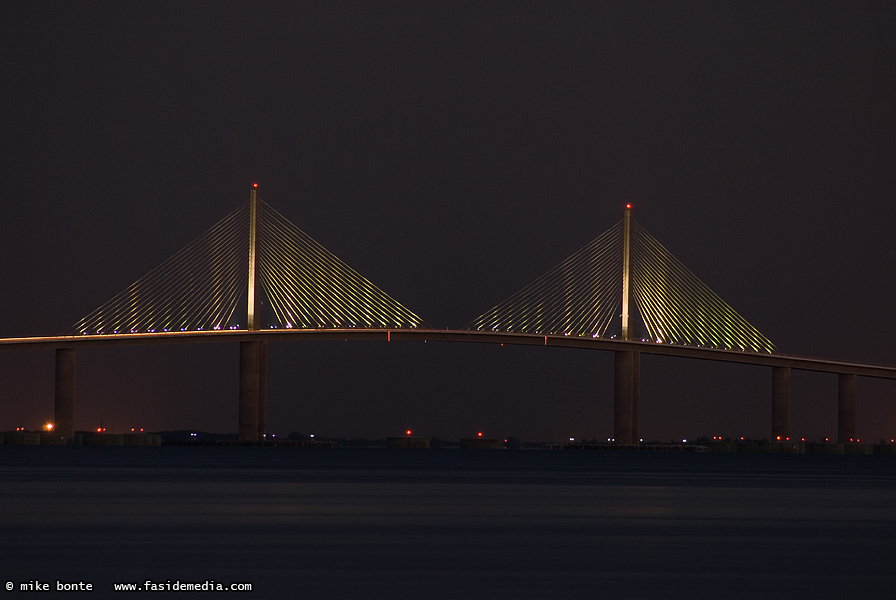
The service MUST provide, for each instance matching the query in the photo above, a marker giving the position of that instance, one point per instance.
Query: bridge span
(253, 375)
(256, 264)
(801, 363)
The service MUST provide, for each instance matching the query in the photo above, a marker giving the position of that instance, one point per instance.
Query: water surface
(375, 523)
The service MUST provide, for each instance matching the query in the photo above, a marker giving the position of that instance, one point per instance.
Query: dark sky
(452, 152)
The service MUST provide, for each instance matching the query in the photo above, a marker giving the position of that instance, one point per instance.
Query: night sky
(452, 152)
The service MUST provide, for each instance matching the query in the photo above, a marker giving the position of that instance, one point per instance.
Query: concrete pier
(252, 406)
(780, 403)
(846, 409)
(626, 397)
(262, 389)
(64, 425)
(636, 398)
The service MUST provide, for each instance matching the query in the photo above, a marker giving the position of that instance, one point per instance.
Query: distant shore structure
(407, 441)
(44, 438)
(479, 442)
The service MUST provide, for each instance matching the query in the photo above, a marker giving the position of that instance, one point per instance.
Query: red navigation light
(628, 207)
(779, 438)
(408, 432)
(99, 429)
(479, 434)
(255, 185)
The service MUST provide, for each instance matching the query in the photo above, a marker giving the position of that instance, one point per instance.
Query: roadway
(803, 363)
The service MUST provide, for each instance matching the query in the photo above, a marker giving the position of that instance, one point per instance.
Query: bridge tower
(626, 272)
(627, 385)
(253, 354)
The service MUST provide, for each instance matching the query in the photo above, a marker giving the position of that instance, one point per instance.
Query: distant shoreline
(31, 438)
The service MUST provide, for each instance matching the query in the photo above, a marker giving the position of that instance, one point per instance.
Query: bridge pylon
(252, 307)
(627, 381)
(253, 354)
(627, 273)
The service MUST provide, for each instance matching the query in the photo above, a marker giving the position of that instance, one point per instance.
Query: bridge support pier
(780, 403)
(253, 390)
(262, 390)
(636, 398)
(626, 399)
(64, 419)
(846, 408)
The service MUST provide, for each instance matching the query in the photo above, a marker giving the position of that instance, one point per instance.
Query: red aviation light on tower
(628, 206)
(254, 185)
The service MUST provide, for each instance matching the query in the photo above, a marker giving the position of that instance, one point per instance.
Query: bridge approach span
(626, 409)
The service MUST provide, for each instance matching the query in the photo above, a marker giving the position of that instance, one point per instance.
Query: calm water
(375, 523)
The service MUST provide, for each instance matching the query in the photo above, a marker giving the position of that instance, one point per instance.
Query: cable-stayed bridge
(255, 277)
(289, 281)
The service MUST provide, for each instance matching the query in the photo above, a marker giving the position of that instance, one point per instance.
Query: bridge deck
(450, 335)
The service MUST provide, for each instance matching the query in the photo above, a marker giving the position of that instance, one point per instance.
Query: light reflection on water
(375, 522)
